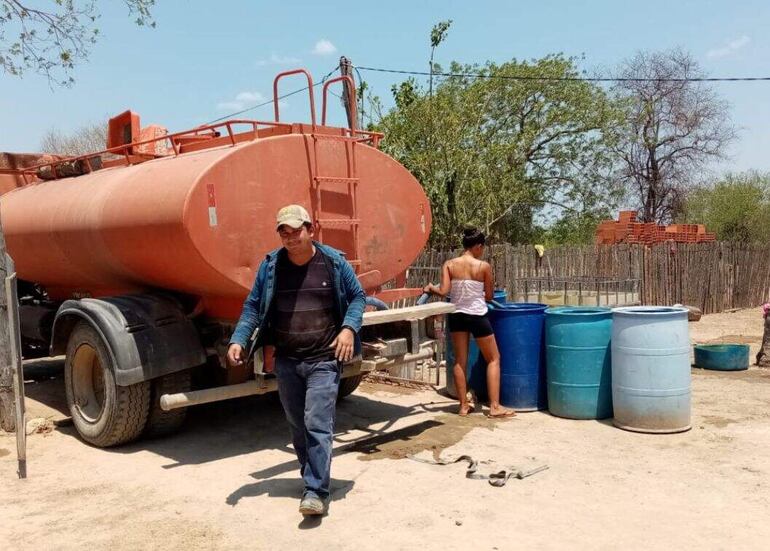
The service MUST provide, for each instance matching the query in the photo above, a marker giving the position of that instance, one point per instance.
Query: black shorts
(478, 326)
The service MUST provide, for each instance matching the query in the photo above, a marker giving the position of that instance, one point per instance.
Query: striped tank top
(468, 296)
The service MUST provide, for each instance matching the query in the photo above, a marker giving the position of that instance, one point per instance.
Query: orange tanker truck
(134, 262)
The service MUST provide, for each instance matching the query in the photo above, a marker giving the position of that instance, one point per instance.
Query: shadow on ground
(44, 384)
(243, 426)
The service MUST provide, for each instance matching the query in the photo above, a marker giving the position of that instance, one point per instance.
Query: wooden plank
(7, 405)
(408, 313)
(18, 373)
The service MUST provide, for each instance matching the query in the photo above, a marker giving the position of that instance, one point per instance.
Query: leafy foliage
(491, 152)
(736, 207)
(52, 41)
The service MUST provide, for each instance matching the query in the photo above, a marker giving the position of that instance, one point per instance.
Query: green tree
(493, 151)
(575, 228)
(736, 207)
(52, 40)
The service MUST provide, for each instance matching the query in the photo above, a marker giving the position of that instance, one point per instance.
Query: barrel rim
(521, 307)
(661, 311)
(722, 347)
(578, 311)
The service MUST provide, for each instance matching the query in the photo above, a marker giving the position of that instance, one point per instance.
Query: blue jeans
(308, 392)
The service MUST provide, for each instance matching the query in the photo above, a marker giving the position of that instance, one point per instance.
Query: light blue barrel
(651, 369)
(578, 367)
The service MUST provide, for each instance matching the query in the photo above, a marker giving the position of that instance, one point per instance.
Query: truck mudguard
(147, 335)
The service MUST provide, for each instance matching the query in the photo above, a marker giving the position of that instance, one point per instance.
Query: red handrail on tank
(351, 99)
(310, 85)
(124, 148)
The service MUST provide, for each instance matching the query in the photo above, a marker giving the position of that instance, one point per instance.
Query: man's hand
(343, 345)
(235, 355)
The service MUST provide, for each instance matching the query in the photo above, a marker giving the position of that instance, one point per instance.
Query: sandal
(502, 414)
(471, 409)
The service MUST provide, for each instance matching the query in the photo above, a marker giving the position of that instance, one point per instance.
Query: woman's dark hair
(472, 237)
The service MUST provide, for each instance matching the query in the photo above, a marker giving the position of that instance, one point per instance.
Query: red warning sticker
(212, 206)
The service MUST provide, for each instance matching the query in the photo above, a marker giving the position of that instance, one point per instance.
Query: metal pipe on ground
(261, 385)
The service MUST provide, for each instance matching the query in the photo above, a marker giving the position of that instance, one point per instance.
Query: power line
(270, 102)
(547, 78)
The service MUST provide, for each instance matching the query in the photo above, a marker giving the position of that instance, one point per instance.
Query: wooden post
(7, 408)
(18, 373)
(345, 70)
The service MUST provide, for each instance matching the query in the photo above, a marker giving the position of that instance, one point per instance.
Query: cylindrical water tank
(518, 331)
(578, 368)
(200, 223)
(651, 369)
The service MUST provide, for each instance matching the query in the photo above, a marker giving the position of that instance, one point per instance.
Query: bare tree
(86, 139)
(51, 40)
(674, 127)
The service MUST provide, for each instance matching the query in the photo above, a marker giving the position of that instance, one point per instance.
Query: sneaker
(312, 505)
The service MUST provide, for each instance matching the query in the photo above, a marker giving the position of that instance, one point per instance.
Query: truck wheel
(348, 385)
(103, 413)
(159, 422)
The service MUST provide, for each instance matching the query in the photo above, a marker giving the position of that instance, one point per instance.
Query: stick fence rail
(714, 276)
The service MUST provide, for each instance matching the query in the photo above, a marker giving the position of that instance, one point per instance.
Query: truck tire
(103, 413)
(162, 423)
(348, 385)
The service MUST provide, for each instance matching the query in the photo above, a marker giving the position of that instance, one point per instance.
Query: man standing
(307, 302)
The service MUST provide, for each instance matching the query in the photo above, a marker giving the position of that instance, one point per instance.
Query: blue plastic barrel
(518, 330)
(578, 367)
(651, 369)
(500, 296)
(476, 370)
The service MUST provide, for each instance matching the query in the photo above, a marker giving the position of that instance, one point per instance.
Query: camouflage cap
(292, 215)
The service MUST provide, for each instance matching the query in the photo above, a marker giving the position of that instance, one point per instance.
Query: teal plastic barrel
(651, 369)
(722, 357)
(578, 367)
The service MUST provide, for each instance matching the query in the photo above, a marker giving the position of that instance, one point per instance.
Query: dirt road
(229, 480)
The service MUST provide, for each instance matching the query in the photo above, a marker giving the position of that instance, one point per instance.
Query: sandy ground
(229, 480)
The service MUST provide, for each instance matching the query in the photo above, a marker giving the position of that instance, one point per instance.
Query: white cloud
(731, 47)
(324, 47)
(249, 97)
(276, 59)
(241, 101)
(229, 106)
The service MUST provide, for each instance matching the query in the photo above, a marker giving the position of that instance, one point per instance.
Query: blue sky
(207, 58)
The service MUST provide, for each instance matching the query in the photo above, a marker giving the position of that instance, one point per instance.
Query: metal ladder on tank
(351, 180)
(319, 180)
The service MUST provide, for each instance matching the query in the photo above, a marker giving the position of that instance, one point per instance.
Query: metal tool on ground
(496, 478)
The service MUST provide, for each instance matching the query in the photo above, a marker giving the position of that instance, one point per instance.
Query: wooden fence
(712, 276)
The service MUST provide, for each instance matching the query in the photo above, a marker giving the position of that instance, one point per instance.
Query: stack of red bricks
(627, 230)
